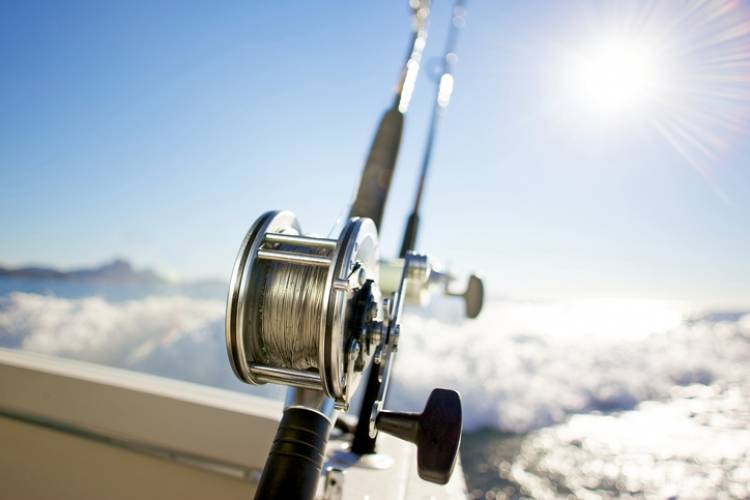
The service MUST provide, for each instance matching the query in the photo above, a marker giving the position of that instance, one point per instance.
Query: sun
(678, 71)
(616, 77)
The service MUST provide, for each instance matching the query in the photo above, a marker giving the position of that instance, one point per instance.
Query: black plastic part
(436, 432)
(294, 463)
(474, 296)
(363, 444)
(362, 304)
(346, 423)
(410, 235)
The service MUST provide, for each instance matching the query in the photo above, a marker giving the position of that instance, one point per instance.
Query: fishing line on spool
(289, 313)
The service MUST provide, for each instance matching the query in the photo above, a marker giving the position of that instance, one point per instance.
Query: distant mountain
(117, 271)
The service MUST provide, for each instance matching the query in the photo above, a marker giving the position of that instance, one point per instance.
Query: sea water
(586, 399)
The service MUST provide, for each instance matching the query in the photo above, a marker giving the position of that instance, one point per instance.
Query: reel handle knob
(474, 296)
(436, 432)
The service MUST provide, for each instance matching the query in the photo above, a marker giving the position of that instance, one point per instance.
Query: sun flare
(678, 69)
(617, 76)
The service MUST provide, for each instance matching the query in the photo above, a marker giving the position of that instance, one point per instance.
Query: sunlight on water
(523, 365)
(695, 446)
(594, 398)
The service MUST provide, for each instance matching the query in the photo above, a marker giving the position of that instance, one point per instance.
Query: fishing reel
(433, 278)
(307, 312)
(298, 306)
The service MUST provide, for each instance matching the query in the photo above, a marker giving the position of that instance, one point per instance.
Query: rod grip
(294, 463)
(378, 171)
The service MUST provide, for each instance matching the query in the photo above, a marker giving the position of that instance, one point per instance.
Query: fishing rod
(473, 294)
(316, 314)
(364, 441)
(381, 161)
(443, 92)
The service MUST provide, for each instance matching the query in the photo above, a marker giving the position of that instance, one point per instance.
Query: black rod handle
(294, 463)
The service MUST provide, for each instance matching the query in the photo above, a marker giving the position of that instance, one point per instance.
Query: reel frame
(350, 261)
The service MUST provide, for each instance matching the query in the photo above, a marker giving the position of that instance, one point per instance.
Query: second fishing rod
(363, 443)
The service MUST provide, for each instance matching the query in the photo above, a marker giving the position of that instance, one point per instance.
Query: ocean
(606, 398)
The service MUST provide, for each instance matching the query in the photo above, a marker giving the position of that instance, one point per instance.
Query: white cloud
(518, 367)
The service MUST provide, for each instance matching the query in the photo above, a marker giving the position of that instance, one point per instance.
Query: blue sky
(159, 132)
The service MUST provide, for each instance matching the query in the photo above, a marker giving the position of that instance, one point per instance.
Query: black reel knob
(474, 296)
(436, 432)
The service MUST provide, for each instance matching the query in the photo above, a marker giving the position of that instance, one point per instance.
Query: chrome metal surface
(427, 277)
(314, 399)
(236, 314)
(298, 240)
(358, 248)
(342, 285)
(329, 314)
(390, 345)
(285, 376)
(294, 258)
(419, 268)
(408, 77)
(333, 488)
(443, 94)
(250, 334)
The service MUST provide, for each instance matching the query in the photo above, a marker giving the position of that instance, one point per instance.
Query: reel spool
(298, 306)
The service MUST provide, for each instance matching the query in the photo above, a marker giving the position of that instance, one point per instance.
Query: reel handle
(427, 277)
(436, 432)
(473, 296)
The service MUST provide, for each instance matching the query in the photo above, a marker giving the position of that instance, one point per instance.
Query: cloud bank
(520, 366)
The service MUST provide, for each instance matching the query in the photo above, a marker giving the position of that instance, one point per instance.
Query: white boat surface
(72, 430)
